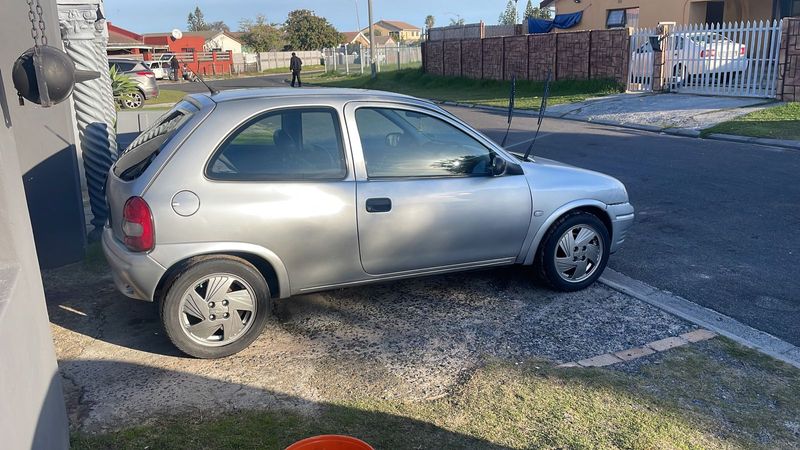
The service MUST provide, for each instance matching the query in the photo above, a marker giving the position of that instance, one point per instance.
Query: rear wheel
(574, 252)
(134, 100)
(216, 307)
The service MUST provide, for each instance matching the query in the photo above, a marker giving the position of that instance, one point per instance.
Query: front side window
(290, 144)
(401, 143)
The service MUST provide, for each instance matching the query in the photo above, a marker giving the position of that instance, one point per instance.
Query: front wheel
(215, 307)
(574, 252)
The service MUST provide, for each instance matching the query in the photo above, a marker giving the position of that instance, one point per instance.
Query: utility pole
(371, 41)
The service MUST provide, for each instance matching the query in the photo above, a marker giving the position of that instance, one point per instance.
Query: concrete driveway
(412, 340)
(659, 111)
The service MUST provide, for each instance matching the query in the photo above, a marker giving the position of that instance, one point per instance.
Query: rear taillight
(137, 225)
(710, 53)
(146, 74)
(742, 50)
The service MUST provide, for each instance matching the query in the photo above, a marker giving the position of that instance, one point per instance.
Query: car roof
(340, 94)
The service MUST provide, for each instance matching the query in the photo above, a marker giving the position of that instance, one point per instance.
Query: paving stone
(699, 335)
(633, 353)
(605, 359)
(667, 343)
(568, 365)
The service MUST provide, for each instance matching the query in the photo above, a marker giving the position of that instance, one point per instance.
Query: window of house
(401, 143)
(290, 144)
(618, 18)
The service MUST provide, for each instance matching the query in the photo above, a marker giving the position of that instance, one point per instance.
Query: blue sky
(143, 16)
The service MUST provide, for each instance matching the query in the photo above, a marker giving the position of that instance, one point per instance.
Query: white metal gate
(733, 59)
(640, 69)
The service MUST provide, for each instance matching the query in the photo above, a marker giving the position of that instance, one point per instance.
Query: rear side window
(138, 156)
(123, 66)
(290, 144)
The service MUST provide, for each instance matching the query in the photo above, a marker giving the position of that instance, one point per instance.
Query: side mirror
(498, 166)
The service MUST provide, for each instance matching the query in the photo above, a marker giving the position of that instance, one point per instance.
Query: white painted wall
(224, 42)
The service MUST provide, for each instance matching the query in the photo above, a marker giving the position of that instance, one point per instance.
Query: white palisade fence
(730, 59)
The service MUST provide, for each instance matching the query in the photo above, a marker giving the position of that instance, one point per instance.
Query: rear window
(123, 66)
(138, 156)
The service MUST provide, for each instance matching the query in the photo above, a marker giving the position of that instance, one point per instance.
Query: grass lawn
(485, 92)
(169, 96)
(713, 395)
(779, 122)
(306, 68)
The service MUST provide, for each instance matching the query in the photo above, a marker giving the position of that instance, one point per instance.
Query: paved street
(232, 83)
(716, 221)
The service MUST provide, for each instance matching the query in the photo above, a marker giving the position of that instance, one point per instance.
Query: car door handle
(375, 205)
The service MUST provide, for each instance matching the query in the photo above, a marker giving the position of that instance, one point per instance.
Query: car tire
(553, 262)
(135, 100)
(191, 306)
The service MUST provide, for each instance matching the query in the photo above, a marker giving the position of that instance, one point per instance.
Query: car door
(280, 180)
(425, 197)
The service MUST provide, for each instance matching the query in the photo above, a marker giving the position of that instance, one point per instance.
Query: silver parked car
(140, 74)
(234, 199)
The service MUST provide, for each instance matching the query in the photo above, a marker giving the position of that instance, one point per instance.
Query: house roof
(206, 35)
(122, 38)
(384, 40)
(399, 25)
(351, 36)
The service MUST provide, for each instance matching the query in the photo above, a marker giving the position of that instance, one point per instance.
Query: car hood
(573, 183)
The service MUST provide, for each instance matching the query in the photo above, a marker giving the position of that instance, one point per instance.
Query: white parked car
(160, 68)
(691, 55)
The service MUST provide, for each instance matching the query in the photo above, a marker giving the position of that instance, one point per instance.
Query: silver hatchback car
(233, 199)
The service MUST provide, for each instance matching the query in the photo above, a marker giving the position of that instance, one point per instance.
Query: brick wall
(493, 56)
(572, 58)
(577, 55)
(789, 66)
(472, 58)
(516, 57)
(608, 57)
(452, 58)
(541, 56)
(433, 57)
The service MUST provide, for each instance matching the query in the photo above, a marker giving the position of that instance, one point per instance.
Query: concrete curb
(681, 132)
(704, 317)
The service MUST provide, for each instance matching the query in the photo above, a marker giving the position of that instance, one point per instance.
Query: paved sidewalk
(658, 112)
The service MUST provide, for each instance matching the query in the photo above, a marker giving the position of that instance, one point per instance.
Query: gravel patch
(415, 340)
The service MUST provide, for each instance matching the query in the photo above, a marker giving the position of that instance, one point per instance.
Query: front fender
(170, 254)
(540, 225)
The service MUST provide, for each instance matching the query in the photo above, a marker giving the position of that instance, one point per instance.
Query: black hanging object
(511, 97)
(48, 77)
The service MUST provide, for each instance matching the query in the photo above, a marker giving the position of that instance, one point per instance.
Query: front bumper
(621, 220)
(135, 274)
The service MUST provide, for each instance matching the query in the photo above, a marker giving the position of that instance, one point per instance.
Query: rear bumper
(149, 88)
(621, 220)
(135, 274)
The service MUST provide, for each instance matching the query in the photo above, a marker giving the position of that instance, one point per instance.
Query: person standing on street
(174, 65)
(296, 65)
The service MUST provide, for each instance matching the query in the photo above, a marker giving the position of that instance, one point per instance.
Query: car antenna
(210, 89)
(511, 97)
(542, 108)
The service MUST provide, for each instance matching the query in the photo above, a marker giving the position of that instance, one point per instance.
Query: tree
(429, 21)
(260, 35)
(509, 16)
(306, 31)
(196, 21)
(218, 26)
(532, 12)
(457, 21)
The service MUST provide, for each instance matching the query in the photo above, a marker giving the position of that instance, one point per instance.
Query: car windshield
(141, 152)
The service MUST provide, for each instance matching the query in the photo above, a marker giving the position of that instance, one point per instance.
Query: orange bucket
(330, 442)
